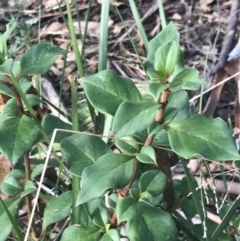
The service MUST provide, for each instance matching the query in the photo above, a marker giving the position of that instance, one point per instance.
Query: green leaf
(10, 67)
(10, 27)
(37, 170)
(80, 233)
(81, 151)
(17, 173)
(153, 181)
(106, 90)
(189, 208)
(145, 222)
(150, 71)
(156, 90)
(111, 235)
(6, 224)
(24, 84)
(127, 145)
(100, 217)
(147, 155)
(165, 60)
(109, 171)
(10, 109)
(161, 139)
(186, 79)
(166, 35)
(134, 117)
(198, 135)
(17, 136)
(57, 209)
(11, 186)
(29, 188)
(50, 122)
(39, 59)
(177, 107)
(33, 100)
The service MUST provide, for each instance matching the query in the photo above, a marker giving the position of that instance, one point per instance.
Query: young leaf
(153, 181)
(166, 35)
(165, 60)
(147, 155)
(134, 117)
(106, 90)
(83, 233)
(186, 79)
(109, 171)
(150, 72)
(39, 59)
(81, 151)
(198, 135)
(145, 222)
(57, 209)
(17, 135)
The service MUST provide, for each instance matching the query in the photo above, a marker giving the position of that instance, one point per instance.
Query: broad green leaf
(11, 186)
(80, 233)
(24, 84)
(29, 188)
(189, 208)
(10, 109)
(147, 155)
(17, 173)
(57, 209)
(156, 90)
(154, 128)
(165, 60)
(127, 145)
(109, 171)
(6, 224)
(198, 135)
(186, 79)
(10, 67)
(39, 59)
(145, 222)
(177, 107)
(81, 151)
(166, 35)
(100, 217)
(153, 181)
(161, 138)
(17, 136)
(106, 90)
(50, 122)
(134, 117)
(111, 235)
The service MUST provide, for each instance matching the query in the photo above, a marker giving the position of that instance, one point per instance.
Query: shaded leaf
(145, 222)
(147, 155)
(29, 188)
(17, 136)
(11, 186)
(81, 151)
(153, 181)
(77, 233)
(127, 145)
(57, 209)
(111, 235)
(109, 171)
